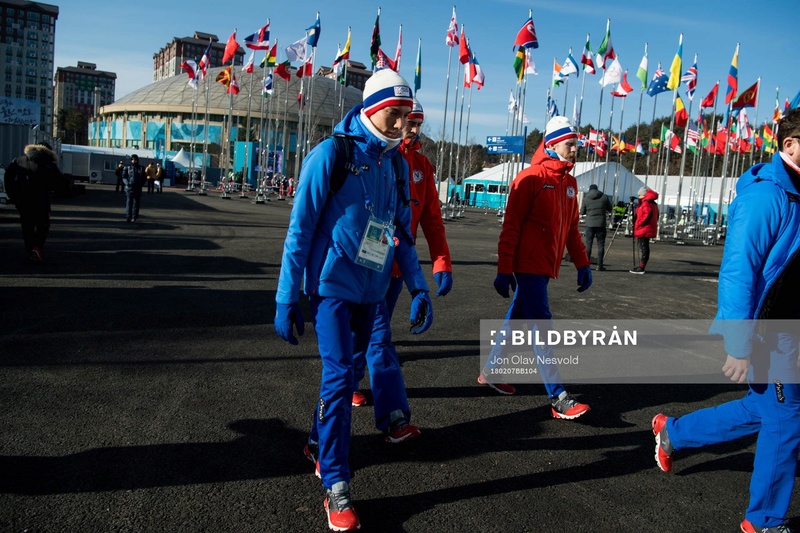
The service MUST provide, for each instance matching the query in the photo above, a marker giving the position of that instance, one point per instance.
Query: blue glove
(502, 282)
(287, 316)
(421, 312)
(445, 282)
(584, 278)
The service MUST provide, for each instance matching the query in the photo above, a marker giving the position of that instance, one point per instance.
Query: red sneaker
(747, 527)
(311, 451)
(341, 514)
(663, 447)
(359, 399)
(502, 388)
(403, 433)
(568, 408)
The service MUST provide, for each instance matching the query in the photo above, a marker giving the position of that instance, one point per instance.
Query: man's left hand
(736, 369)
(444, 280)
(584, 278)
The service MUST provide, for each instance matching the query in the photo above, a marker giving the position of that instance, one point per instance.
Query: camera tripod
(629, 208)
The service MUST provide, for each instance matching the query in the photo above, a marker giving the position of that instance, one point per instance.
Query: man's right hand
(502, 282)
(288, 316)
(736, 369)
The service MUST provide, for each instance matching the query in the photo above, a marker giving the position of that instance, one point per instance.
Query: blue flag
(658, 85)
(313, 33)
(795, 101)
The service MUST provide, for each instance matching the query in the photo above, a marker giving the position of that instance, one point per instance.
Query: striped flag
(690, 79)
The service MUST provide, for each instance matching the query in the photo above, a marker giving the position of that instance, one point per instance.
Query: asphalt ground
(142, 388)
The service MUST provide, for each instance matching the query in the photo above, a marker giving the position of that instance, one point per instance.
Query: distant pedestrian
(150, 173)
(118, 173)
(28, 181)
(595, 206)
(159, 178)
(645, 226)
(759, 280)
(134, 177)
(619, 213)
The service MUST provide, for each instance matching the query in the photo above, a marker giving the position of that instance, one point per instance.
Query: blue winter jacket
(325, 231)
(763, 235)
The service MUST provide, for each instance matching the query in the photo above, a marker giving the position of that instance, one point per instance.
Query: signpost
(505, 144)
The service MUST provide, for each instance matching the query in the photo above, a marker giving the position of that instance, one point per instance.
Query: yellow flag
(675, 70)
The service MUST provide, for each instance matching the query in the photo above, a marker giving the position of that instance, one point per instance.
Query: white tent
(182, 159)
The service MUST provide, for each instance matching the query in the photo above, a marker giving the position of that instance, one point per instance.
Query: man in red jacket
(645, 225)
(541, 219)
(392, 413)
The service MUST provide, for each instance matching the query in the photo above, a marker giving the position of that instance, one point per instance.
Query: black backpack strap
(399, 178)
(343, 164)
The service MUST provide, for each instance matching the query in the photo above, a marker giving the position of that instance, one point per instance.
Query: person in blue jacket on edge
(759, 281)
(345, 241)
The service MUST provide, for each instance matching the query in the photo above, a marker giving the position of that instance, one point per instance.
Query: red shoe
(403, 433)
(502, 388)
(747, 527)
(359, 399)
(663, 447)
(568, 408)
(341, 514)
(311, 451)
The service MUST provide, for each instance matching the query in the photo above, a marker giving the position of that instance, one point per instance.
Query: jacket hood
(352, 126)
(780, 177)
(39, 153)
(594, 194)
(650, 195)
(540, 157)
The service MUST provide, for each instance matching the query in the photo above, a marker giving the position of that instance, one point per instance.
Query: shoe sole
(562, 416)
(658, 446)
(491, 386)
(337, 528)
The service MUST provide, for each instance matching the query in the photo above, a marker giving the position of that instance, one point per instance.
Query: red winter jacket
(427, 212)
(541, 219)
(645, 224)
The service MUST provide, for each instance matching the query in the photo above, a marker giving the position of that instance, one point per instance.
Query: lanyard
(368, 204)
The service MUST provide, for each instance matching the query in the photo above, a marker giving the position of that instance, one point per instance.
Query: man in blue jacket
(759, 281)
(345, 241)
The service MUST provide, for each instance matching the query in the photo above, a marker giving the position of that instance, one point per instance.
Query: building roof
(88, 71)
(50, 9)
(174, 95)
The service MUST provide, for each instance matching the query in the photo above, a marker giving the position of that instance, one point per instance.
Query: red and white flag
(452, 31)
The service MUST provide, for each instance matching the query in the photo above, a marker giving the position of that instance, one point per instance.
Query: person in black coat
(134, 179)
(28, 181)
(595, 206)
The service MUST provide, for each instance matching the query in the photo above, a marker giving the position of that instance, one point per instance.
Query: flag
(512, 102)
(711, 99)
(641, 73)
(418, 69)
(576, 113)
(769, 139)
(248, 67)
(375, 43)
(786, 106)
(747, 98)
(463, 49)
(570, 66)
(733, 78)
(654, 144)
(259, 40)
(639, 147)
(384, 61)
(282, 70)
(671, 139)
(228, 79)
(205, 61)
(530, 66)
(519, 63)
(586, 58)
(398, 50)
(305, 69)
(478, 77)
(301, 100)
(659, 83)
(190, 67)
(624, 88)
(298, 50)
(271, 58)
(612, 75)
(606, 50)
(776, 116)
(690, 79)
(231, 47)
(557, 78)
(681, 116)
(743, 126)
(675, 69)
(452, 30)
(267, 85)
(313, 33)
(551, 108)
(526, 36)
(337, 66)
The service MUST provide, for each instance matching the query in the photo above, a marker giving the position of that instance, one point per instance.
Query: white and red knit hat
(386, 88)
(416, 111)
(557, 130)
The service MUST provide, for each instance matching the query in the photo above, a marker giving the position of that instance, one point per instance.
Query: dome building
(169, 115)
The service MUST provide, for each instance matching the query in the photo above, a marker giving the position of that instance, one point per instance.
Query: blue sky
(123, 38)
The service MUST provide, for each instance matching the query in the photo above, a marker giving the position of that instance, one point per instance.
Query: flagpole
(650, 150)
(440, 161)
(583, 85)
(460, 123)
(712, 136)
(300, 124)
(755, 119)
(666, 157)
(608, 149)
(599, 132)
(725, 158)
(194, 135)
(285, 131)
(638, 122)
(263, 160)
(566, 86)
(202, 191)
(678, 208)
(455, 104)
(619, 161)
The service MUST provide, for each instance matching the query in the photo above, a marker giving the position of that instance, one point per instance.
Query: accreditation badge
(374, 248)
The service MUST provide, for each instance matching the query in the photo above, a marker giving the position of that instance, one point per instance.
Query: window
(33, 15)
(33, 25)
